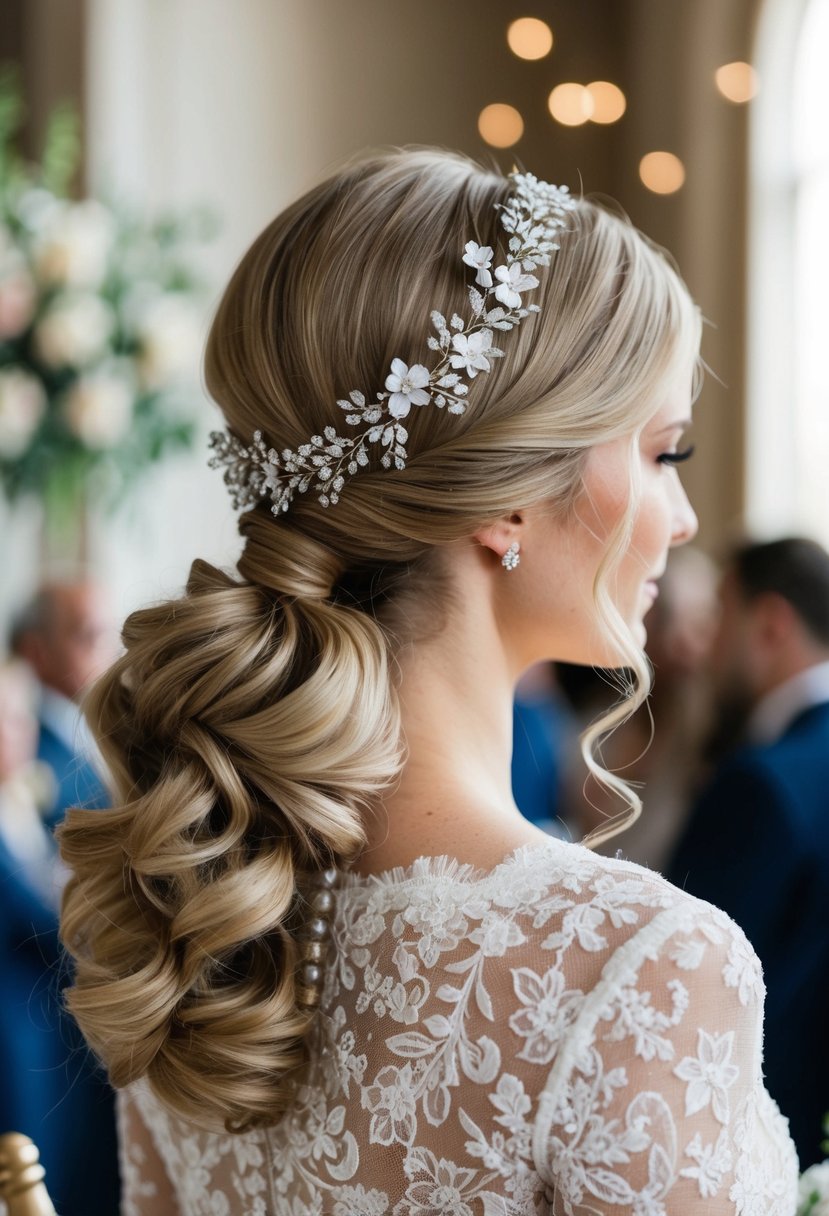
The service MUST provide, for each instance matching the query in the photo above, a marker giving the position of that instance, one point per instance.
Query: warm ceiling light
(570, 104)
(662, 172)
(609, 102)
(500, 126)
(529, 38)
(737, 81)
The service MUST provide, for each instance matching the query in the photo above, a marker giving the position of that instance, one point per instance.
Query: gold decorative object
(21, 1178)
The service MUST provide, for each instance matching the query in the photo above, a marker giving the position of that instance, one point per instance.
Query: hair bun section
(285, 560)
(247, 726)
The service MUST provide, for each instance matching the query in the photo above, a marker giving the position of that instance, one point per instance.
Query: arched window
(788, 348)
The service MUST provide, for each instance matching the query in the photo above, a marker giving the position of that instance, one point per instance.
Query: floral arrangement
(100, 327)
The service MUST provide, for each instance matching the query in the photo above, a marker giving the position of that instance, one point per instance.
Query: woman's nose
(686, 524)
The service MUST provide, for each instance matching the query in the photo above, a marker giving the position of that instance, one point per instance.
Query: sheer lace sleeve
(655, 1104)
(145, 1187)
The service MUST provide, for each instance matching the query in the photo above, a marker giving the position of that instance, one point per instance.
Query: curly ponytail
(246, 726)
(252, 724)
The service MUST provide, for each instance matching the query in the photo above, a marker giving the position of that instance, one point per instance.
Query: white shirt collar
(774, 714)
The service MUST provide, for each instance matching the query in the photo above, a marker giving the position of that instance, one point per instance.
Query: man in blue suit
(65, 636)
(757, 841)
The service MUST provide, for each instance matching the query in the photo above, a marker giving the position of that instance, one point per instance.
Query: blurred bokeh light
(737, 81)
(662, 172)
(530, 38)
(609, 102)
(570, 104)
(500, 125)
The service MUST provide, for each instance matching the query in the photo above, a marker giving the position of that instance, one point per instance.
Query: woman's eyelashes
(676, 457)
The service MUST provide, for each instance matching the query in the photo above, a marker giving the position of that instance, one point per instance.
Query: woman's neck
(454, 795)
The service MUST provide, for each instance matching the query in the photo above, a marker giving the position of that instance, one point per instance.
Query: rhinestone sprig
(533, 217)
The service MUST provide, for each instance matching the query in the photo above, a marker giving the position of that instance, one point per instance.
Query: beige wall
(673, 50)
(250, 103)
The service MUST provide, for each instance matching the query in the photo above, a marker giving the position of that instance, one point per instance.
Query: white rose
(98, 408)
(74, 331)
(73, 248)
(17, 299)
(816, 1178)
(22, 404)
(138, 299)
(9, 253)
(170, 336)
(37, 208)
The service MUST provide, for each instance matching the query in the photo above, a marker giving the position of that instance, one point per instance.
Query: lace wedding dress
(564, 1034)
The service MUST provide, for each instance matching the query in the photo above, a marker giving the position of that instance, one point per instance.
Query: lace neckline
(451, 869)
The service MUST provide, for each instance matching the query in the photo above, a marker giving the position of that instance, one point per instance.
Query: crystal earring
(512, 556)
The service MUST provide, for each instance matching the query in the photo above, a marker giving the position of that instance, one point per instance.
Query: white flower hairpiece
(532, 217)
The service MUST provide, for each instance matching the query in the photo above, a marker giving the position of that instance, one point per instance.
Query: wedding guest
(26, 785)
(50, 1087)
(543, 730)
(31, 1050)
(65, 634)
(757, 841)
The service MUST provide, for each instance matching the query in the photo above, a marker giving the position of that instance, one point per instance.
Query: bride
(328, 965)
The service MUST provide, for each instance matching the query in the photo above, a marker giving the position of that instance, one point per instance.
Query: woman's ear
(775, 618)
(498, 536)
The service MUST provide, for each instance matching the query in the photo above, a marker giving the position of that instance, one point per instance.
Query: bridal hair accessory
(512, 557)
(314, 946)
(533, 217)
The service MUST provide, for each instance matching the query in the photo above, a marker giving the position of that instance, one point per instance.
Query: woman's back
(564, 1033)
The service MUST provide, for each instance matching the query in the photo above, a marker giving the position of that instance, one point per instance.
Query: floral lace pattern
(564, 1034)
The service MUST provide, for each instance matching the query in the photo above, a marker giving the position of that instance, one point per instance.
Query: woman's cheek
(653, 527)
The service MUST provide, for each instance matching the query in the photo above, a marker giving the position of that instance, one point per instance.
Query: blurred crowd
(731, 754)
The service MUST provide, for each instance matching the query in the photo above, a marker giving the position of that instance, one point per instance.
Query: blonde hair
(251, 724)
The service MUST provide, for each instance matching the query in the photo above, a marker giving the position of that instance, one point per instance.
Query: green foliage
(62, 149)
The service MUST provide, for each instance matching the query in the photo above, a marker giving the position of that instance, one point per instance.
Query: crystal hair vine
(533, 216)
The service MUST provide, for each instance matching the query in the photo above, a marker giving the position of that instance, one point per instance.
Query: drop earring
(512, 557)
